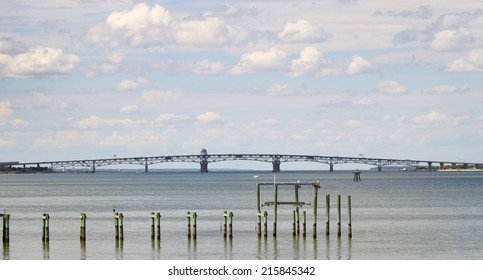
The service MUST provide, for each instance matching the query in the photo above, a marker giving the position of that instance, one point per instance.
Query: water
(395, 215)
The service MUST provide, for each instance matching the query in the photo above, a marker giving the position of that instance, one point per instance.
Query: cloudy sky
(93, 79)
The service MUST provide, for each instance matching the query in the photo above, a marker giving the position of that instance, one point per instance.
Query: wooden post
(304, 224)
(275, 205)
(6, 228)
(121, 226)
(225, 222)
(116, 225)
(230, 226)
(294, 231)
(297, 219)
(259, 213)
(83, 219)
(265, 223)
(194, 225)
(158, 222)
(316, 190)
(339, 232)
(188, 217)
(349, 210)
(327, 214)
(45, 227)
(153, 218)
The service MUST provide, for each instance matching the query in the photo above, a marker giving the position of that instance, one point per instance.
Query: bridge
(203, 159)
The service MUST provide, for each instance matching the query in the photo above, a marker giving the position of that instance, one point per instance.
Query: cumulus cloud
(210, 117)
(423, 12)
(125, 85)
(302, 31)
(129, 109)
(19, 123)
(148, 26)
(391, 88)
(37, 61)
(471, 62)
(452, 40)
(270, 60)
(445, 89)
(96, 121)
(311, 63)
(431, 117)
(165, 118)
(206, 67)
(158, 95)
(5, 109)
(280, 89)
(358, 65)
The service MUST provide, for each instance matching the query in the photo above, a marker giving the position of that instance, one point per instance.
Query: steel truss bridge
(203, 159)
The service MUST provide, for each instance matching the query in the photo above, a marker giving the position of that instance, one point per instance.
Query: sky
(83, 79)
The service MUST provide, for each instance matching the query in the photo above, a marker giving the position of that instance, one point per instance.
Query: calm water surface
(395, 215)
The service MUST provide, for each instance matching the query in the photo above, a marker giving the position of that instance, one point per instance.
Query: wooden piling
(153, 219)
(339, 232)
(6, 228)
(45, 227)
(327, 214)
(116, 225)
(349, 210)
(259, 213)
(304, 224)
(121, 226)
(230, 225)
(316, 190)
(294, 230)
(225, 223)
(194, 225)
(188, 217)
(297, 218)
(265, 223)
(83, 218)
(158, 225)
(275, 206)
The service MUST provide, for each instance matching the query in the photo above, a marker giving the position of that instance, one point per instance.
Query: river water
(395, 215)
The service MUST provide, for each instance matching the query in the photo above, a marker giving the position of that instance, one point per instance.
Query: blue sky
(93, 79)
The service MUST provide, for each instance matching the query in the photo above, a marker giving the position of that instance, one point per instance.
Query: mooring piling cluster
(191, 219)
(228, 223)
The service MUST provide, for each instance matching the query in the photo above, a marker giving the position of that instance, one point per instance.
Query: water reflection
(82, 249)
(192, 250)
(155, 248)
(228, 248)
(119, 245)
(46, 250)
(6, 250)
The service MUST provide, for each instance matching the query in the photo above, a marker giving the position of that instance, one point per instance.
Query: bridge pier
(441, 165)
(477, 166)
(145, 165)
(275, 166)
(331, 167)
(429, 165)
(379, 168)
(203, 166)
(93, 166)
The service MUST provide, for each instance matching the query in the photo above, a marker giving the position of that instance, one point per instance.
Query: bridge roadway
(275, 159)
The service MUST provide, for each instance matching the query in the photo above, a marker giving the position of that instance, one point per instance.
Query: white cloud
(37, 61)
(273, 59)
(280, 89)
(19, 123)
(205, 67)
(208, 31)
(7, 143)
(431, 117)
(363, 102)
(472, 62)
(352, 123)
(129, 109)
(164, 118)
(358, 65)
(95, 121)
(452, 40)
(391, 88)
(445, 89)
(125, 85)
(5, 109)
(302, 31)
(210, 117)
(311, 63)
(153, 95)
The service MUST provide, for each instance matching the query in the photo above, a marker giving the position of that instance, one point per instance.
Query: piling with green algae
(45, 227)
(83, 219)
(6, 228)
(349, 212)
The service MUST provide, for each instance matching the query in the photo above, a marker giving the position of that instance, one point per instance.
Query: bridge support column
(93, 166)
(146, 165)
(379, 168)
(276, 167)
(441, 165)
(477, 166)
(203, 166)
(331, 167)
(430, 165)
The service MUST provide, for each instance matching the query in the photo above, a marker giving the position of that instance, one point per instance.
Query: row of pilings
(228, 218)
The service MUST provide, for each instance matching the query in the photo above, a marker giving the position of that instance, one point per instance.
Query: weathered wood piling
(349, 213)
(316, 191)
(158, 226)
(155, 225)
(265, 223)
(45, 227)
(339, 232)
(275, 208)
(83, 219)
(6, 228)
(191, 219)
(119, 226)
(304, 224)
(327, 214)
